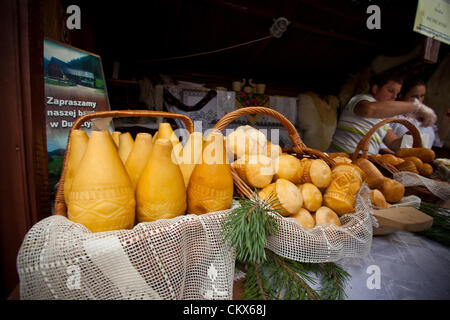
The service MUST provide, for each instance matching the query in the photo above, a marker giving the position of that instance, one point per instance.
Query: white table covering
(412, 267)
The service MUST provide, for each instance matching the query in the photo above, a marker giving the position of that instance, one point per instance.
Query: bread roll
(333, 155)
(312, 197)
(239, 144)
(408, 166)
(271, 150)
(377, 198)
(426, 170)
(391, 159)
(325, 215)
(289, 196)
(340, 159)
(256, 170)
(392, 190)
(340, 196)
(426, 155)
(415, 160)
(288, 167)
(304, 218)
(317, 172)
(374, 177)
(268, 193)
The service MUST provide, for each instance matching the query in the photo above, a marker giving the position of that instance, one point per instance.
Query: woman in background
(414, 89)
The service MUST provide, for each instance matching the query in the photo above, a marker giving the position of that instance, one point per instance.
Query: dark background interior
(324, 43)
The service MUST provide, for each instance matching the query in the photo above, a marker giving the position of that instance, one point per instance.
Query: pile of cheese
(307, 189)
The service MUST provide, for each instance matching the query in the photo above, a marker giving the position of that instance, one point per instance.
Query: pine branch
(269, 276)
(440, 230)
(247, 227)
(311, 293)
(258, 279)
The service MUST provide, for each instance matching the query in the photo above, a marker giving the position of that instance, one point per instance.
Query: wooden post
(24, 196)
(431, 50)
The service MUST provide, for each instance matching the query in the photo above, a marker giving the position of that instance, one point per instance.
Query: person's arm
(383, 109)
(392, 141)
(388, 109)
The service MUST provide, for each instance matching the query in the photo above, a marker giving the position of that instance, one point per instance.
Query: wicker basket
(60, 204)
(361, 151)
(299, 149)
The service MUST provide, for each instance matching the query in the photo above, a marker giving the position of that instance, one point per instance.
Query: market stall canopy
(324, 42)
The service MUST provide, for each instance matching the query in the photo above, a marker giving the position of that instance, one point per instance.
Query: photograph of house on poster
(74, 85)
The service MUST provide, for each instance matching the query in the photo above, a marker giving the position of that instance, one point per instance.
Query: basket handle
(293, 134)
(364, 144)
(60, 204)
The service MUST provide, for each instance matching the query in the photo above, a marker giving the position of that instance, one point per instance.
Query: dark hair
(410, 83)
(382, 78)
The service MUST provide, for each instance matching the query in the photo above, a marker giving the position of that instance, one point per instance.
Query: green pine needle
(440, 230)
(247, 227)
(279, 278)
(269, 276)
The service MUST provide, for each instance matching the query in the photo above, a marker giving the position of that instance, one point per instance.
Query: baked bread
(377, 198)
(392, 190)
(317, 172)
(408, 166)
(426, 170)
(373, 176)
(391, 159)
(304, 218)
(325, 215)
(312, 197)
(288, 167)
(289, 196)
(426, 155)
(346, 181)
(256, 170)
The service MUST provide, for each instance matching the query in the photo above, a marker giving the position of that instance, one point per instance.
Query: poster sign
(433, 19)
(74, 85)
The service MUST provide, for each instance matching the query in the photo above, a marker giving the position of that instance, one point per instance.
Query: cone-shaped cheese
(126, 144)
(346, 181)
(139, 156)
(165, 132)
(160, 192)
(256, 170)
(192, 155)
(211, 184)
(77, 147)
(115, 135)
(102, 196)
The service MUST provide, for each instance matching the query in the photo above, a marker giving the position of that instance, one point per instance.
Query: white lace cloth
(179, 258)
(410, 179)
